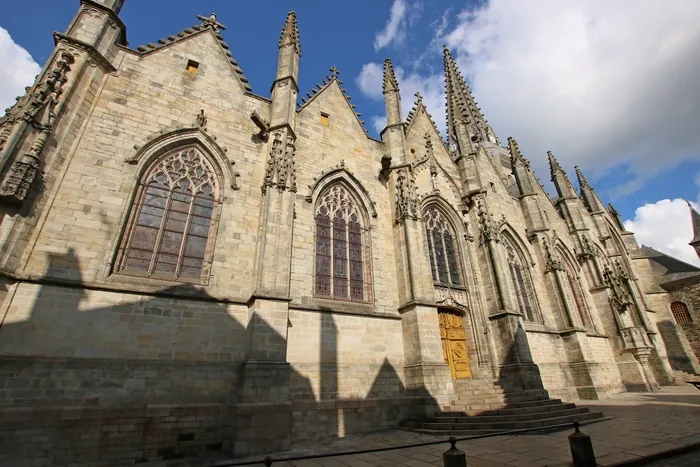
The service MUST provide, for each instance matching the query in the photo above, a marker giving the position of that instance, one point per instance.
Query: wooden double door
(454, 343)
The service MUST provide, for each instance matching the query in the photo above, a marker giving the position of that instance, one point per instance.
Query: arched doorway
(454, 343)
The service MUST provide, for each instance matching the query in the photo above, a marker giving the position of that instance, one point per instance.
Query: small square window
(324, 119)
(192, 66)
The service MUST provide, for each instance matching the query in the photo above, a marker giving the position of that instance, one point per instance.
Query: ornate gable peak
(290, 33)
(325, 84)
(418, 106)
(208, 24)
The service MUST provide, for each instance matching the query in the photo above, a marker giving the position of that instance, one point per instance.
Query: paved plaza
(643, 424)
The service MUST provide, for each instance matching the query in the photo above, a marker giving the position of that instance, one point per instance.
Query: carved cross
(418, 96)
(335, 71)
(211, 22)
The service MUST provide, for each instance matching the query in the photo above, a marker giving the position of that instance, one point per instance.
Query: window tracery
(171, 224)
(443, 252)
(342, 248)
(522, 283)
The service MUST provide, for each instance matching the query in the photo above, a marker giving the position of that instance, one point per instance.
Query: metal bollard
(581, 448)
(267, 461)
(453, 457)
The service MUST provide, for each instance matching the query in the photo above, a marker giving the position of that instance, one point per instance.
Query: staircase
(482, 407)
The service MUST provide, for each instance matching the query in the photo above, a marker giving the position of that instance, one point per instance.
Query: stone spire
(390, 84)
(561, 181)
(114, 5)
(392, 97)
(695, 218)
(588, 195)
(582, 180)
(290, 33)
(516, 158)
(461, 106)
(616, 217)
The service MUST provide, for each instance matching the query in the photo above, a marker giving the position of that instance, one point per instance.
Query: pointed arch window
(445, 263)
(522, 283)
(343, 257)
(170, 232)
(579, 299)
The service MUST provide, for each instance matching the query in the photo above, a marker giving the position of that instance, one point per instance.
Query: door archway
(455, 349)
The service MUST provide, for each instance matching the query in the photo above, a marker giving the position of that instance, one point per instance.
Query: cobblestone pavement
(644, 424)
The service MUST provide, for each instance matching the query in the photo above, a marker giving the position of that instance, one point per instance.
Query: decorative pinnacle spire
(461, 106)
(582, 180)
(390, 83)
(553, 163)
(290, 33)
(211, 22)
(695, 218)
(515, 155)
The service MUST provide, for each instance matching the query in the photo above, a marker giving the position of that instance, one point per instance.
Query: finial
(334, 70)
(419, 98)
(211, 22)
(290, 33)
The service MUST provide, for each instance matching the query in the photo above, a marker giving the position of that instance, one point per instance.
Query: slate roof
(669, 269)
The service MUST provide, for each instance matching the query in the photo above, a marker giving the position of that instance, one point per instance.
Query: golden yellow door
(454, 344)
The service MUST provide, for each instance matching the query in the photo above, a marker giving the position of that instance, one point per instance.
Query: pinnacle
(695, 218)
(390, 83)
(582, 181)
(515, 154)
(290, 33)
(553, 163)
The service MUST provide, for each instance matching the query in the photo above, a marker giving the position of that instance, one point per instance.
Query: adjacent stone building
(189, 265)
(682, 282)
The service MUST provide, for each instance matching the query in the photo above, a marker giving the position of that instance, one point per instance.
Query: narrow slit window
(192, 66)
(324, 119)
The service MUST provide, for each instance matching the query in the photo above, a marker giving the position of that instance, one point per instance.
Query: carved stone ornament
(488, 230)
(553, 262)
(468, 232)
(451, 298)
(39, 108)
(587, 250)
(280, 171)
(620, 298)
(201, 120)
(406, 199)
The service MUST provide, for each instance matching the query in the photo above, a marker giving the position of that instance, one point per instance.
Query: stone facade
(113, 362)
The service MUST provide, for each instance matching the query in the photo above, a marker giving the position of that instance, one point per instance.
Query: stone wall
(689, 293)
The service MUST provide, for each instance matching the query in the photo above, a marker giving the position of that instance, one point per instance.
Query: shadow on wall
(519, 371)
(181, 350)
(677, 356)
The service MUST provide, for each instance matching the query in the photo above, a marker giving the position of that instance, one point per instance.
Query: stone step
(561, 411)
(472, 428)
(511, 410)
(502, 409)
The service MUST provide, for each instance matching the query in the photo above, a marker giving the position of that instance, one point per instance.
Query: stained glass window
(522, 283)
(342, 248)
(444, 258)
(172, 217)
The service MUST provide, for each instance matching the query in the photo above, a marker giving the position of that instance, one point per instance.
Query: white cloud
(665, 226)
(18, 70)
(401, 16)
(599, 83)
(431, 88)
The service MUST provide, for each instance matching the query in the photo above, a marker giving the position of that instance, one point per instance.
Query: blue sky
(613, 88)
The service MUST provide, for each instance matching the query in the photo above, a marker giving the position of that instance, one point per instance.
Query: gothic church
(187, 265)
